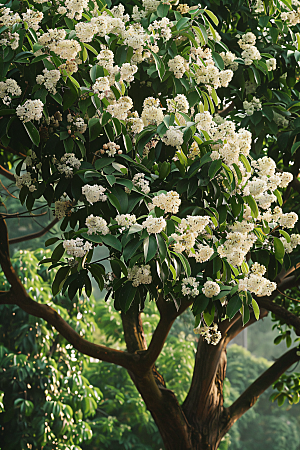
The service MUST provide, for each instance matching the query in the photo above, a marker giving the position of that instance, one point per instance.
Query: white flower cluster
(140, 182)
(154, 224)
(96, 225)
(178, 66)
(75, 8)
(271, 64)
(120, 108)
(194, 151)
(280, 121)
(294, 242)
(61, 207)
(125, 220)
(111, 149)
(257, 283)
(152, 113)
(178, 104)
(190, 287)
(66, 49)
(253, 105)
(49, 79)
(8, 18)
(140, 275)
(30, 110)
(25, 180)
(159, 29)
(67, 164)
(228, 59)
(33, 18)
(210, 334)
(9, 88)
(173, 137)
(11, 39)
(202, 253)
(76, 247)
(85, 31)
(265, 181)
(211, 289)
(236, 246)
(94, 193)
(187, 232)
(288, 220)
(259, 6)
(52, 38)
(127, 71)
(247, 43)
(169, 202)
(207, 73)
(77, 122)
(292, 17)
(134, 123)
(234, 143)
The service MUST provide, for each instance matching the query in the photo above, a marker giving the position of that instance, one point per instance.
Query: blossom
(30, 110)
(154, 224)
(190, 287)
(94, 193)
(76, 247)
(210, 334)
(139, 275)
(178, 66)
(169, 202)
(140, 182)
(96, 225)
(173, 137)
(210, 289)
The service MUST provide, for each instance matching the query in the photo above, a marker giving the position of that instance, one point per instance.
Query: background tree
(112, 120)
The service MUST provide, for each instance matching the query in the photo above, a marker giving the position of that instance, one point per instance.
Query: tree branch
(11, 150)
(226, 110)
(6, 173)
(38, 234)
(18, 296)
(280, 311)
(250, 396)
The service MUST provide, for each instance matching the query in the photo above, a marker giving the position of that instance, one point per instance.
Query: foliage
(47, 401)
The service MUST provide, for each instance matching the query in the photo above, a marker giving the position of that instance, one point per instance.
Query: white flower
(190, 287)
(271, 64)
(30, 110)
(140, 275)
(210, 334)
(178, 65)
(288, 220)
(76, 247)
(140, 182)
(210, 289)
(154, 224)
(94, 193)
(169, 202)
(173, 137)
(125, 220)
(96, 225)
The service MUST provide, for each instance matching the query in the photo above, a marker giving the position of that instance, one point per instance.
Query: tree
(143, 133)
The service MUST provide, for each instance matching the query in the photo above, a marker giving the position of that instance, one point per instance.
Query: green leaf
(279, 249)
(162, 247)
(285, 235)
(112, 241)
(256, 309)
(214, 167)
(245, 161)
(95, 128)
(209, 317)
(234, 304)
(150, 248)
(185, 263)
(253, 205)
(162, 10)
(218, 60)
(279, 197)
(125, 296)
(51, 241)
(212, 17)
(295, 147)
(32, 132)
(160, 67)
(59, 279)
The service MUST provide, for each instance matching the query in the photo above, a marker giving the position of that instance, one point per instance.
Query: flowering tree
(141, 131)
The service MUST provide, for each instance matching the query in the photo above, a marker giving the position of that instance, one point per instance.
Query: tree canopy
(167, 133)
